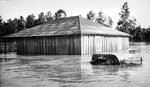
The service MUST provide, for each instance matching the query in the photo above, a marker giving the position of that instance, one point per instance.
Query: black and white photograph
(74, 43)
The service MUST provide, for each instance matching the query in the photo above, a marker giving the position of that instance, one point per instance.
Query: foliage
(90, 15)
(21, 24)
(110, 22)
(30, 21)
(60, 13)
(101, 18)
(126, 23)
(141, 34)
(49, 16)
(18, 24)
(41, 18)
(1, 21)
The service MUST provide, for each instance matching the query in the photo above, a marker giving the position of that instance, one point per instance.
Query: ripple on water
(71, 71)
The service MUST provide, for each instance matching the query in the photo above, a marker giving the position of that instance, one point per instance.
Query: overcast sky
(140, 9)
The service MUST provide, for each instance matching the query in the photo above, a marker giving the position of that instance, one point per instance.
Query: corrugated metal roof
(67, 26)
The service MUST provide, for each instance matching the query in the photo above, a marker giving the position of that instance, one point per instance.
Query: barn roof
(67, 26)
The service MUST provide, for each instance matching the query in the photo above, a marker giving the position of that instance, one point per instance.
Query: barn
(69, 36)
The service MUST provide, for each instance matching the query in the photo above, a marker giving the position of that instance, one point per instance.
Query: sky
(140, 9)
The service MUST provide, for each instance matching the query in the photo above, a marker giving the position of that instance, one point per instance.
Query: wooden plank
(103, 43)
(23, 46)
(79, 45)
(46, 46)
(82, 46)
(18, 46)
(90, 50)
(71, 45)
(116, 44)
(106, 43)
(75, 45)
(39, 46)
(37, 43)
(92, 42)
(44, 50)
(100, 44)
(54, 45)
(17, 43)
(94, 46)
(51, 45)
(42, 47)
(86, 43)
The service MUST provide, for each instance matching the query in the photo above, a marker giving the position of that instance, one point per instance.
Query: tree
(126, 23)
(104, 20)
(49, 16)
(16, 25)
(21, 23)
(6, 27)
(137, 34)
(110, 22)
(41, 18)
(60, 13)
(30, 21)
(1, 26)
(148, 34)
(1, 21)
(36, 22)
(101, 18)
(90, 15)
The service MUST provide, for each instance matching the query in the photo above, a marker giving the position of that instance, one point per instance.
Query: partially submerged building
(69, 36)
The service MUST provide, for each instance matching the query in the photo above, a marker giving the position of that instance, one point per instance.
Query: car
(114, 59)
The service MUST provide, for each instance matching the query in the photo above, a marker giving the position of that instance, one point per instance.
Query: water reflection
(88, 69)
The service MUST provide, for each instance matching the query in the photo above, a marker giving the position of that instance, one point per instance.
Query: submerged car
(113, 59)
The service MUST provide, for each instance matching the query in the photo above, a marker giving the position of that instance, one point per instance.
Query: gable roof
(67, 26)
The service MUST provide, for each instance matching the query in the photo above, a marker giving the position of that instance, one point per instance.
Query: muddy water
(74, 71)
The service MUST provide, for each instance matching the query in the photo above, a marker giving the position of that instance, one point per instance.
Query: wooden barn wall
(55, 45)
(71, 45)
(99, 44)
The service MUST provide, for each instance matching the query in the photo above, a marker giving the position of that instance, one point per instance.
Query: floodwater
(74, 71)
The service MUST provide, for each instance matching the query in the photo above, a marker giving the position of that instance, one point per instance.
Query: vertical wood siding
(55, 45)
(71, 45)
(100, 43)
